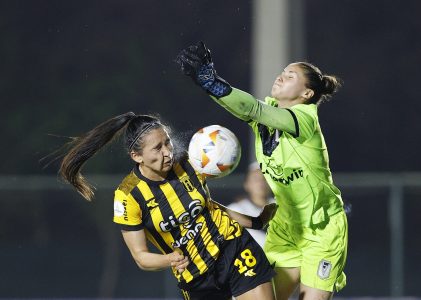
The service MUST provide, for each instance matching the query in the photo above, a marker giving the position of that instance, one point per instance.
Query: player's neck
(152, 174)
(286, 103)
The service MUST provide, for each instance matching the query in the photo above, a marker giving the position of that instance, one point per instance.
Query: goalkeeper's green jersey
(292, 154)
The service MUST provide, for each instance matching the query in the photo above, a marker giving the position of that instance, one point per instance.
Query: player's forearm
(242, 219)
(238, 103)
(151, 261)
(245, 107)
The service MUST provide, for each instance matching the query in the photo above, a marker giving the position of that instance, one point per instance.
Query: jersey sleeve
(306, 119)
(127, 212)
(245, 107)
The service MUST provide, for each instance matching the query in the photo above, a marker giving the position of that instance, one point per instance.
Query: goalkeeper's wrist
(256, 223)
(219, 89)
(212, 83)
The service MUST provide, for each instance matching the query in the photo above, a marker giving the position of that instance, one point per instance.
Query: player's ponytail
(330, 85)
(323, 86)
(84, 147)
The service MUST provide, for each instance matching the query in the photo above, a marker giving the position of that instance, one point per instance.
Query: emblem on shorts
(324, 269)
(250, 273)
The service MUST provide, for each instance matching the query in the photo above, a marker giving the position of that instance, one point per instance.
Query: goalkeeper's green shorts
(319, 253)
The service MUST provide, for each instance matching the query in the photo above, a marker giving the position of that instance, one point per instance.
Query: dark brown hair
(323, 86)
(84, 147)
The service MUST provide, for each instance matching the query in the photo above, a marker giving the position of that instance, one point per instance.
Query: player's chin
(275, 91)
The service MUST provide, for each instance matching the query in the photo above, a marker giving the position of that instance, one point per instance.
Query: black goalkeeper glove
(196, 61)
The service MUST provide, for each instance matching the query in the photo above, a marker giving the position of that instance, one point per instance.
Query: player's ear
(307, 94)
(136, 157)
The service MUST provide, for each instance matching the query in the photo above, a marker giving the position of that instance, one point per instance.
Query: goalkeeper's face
(290, 85)
(156, 158)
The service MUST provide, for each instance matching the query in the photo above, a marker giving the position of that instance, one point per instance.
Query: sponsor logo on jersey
(120, 209)
(190, 234)
(282, 177)
(195, 208)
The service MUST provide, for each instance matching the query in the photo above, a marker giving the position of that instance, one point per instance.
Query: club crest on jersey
(324, 269)
(187, 184)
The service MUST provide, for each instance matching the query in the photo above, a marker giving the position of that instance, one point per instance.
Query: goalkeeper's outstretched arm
(247, 108)
(196, 62)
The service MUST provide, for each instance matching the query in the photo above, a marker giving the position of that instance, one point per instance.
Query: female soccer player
(165, 201)
(307, 238)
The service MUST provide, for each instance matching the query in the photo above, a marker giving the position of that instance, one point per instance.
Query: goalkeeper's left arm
(246, 107)
(195, 61)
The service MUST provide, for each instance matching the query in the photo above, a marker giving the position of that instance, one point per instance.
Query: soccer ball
(214, 151)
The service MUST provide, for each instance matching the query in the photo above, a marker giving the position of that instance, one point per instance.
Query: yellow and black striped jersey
(176, 213)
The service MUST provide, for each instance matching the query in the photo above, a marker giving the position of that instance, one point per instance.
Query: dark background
(68, 65)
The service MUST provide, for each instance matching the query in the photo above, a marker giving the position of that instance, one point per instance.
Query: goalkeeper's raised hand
(196, 61)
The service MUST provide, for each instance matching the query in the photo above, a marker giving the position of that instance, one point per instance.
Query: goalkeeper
(307, 238)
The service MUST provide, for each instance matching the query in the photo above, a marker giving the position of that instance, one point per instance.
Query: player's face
(290, 84)
(156, 159)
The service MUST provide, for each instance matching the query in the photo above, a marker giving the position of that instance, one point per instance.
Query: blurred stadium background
(68, 65)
